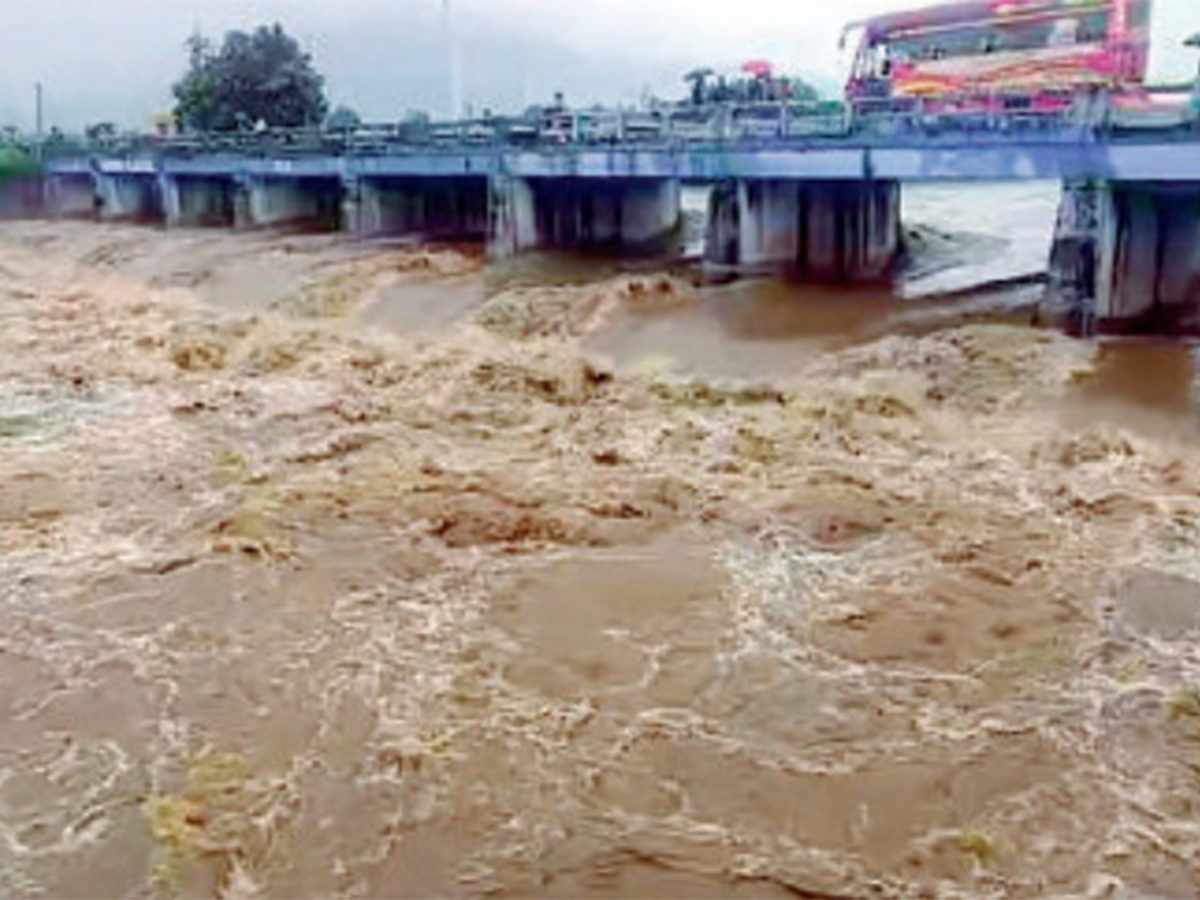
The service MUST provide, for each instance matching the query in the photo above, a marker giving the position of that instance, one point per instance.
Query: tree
(415, 125)
(15, 162)
(343, 119)
(262, 76)
(100, 132)
(196, 92)
(698, 80)
(803, 91)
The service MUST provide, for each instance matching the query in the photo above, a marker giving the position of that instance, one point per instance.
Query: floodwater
(353, 570)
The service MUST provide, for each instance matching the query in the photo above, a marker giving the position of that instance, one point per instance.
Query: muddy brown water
(342, 570)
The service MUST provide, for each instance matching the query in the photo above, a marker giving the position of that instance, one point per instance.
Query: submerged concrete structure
(195, 200)
(199, 200)
(1126, 255)
(267, 201)
(627, 214)
(441, 206)
(72, 196)
(127, 197)
(828, 230)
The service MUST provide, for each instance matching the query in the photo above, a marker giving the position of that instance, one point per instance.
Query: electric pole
(456, 61)
(40, 136)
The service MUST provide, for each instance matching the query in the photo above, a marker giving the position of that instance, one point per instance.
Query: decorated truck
(1000, 56)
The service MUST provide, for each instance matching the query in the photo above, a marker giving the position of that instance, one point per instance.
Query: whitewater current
(361, 570)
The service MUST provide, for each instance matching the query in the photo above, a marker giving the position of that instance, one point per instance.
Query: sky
(115, 60)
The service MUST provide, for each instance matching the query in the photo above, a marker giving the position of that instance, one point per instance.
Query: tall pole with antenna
(455, 59)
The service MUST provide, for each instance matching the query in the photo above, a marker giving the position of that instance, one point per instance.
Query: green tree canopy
(343, 118)
(262, 76)
(803, 91)
(15, 162)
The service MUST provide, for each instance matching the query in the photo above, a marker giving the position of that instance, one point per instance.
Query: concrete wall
(199, 201)
(1179, 270)
(444, 207)
(583, 214)
(829, 230)
(70, 196)
(871, 239)
(294, 202)
(513, 226)
(128, 197)
(1126, 256)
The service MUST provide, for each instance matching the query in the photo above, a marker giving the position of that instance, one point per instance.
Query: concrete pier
(71, 196)
(1126, 256)
(827, 230)
(630, 214)
(199, 200)
(290, 202)
(133, 198)
(454, 207)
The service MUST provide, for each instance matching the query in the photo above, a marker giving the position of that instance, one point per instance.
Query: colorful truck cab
(976, 48)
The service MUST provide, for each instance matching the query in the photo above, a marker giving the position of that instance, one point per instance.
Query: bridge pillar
(127, 197)
(513, 227)
(70, 196)
(168, 193)
(582, 214)
(453, 207)
(240, 202)
(302, 202)
(352, 206)
(199, 200)
(830, 230)
(1126, 256)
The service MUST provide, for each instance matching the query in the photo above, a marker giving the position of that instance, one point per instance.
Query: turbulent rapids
(342, 570)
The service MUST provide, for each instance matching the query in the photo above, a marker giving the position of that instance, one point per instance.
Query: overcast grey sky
(116, 59)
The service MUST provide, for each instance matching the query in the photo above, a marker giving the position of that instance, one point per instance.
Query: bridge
(791, 192)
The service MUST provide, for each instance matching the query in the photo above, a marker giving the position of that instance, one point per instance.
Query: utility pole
(456, 61)
(40, 134)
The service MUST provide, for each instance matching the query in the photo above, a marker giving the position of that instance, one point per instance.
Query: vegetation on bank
(16, 162)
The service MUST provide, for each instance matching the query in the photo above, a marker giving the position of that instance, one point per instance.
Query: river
(366, 569)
